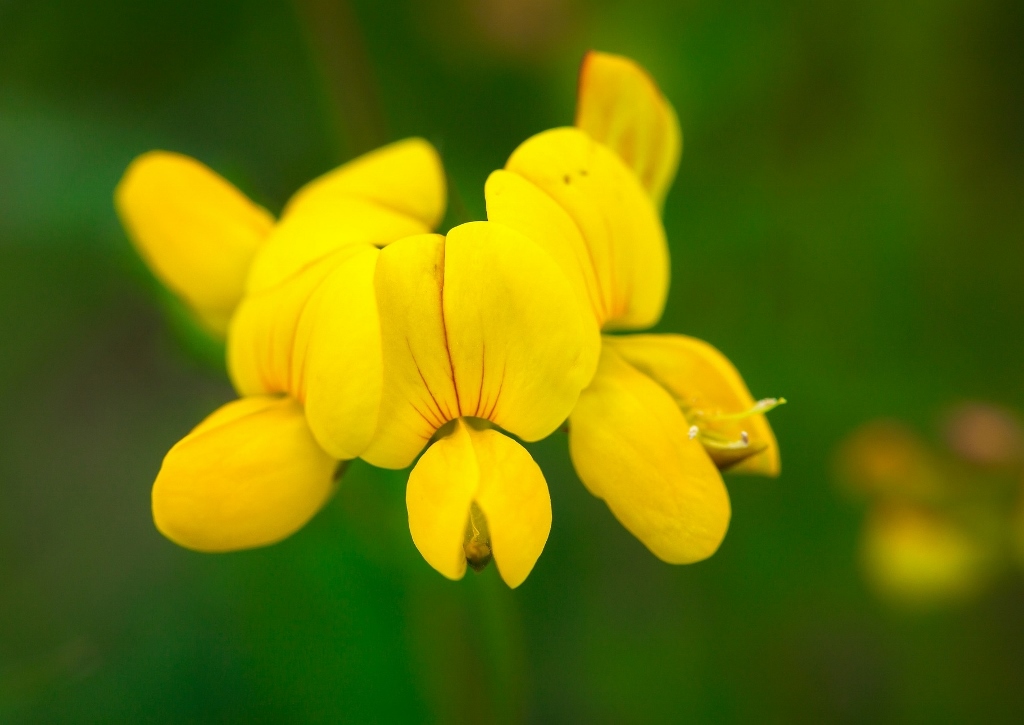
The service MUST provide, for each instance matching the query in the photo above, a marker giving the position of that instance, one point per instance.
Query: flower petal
(522, 345)
(262, 339)
(513, 496)
(406, 177)
(519, 204)
(438, 496)
(317, 338)
(250, 475)
(196, 231)
(342, 365)
(705, 385)
(419, 387)
(620, 105)
(629, 444)
(486, 467)
(320, 228)
(616, 217)
(482, 324)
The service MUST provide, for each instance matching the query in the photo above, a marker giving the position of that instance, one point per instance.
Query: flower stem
(468, 650)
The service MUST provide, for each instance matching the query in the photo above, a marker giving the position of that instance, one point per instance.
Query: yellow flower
(308, 324)
(354, 332)
(937, 532)
(664, 412)
(303, 339)
(480, 334)
(916, 557)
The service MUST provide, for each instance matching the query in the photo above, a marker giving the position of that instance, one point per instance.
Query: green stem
(468, 648)
(495, 612)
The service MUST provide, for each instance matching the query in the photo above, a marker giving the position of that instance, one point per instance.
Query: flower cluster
(354, 331)
(942, 524)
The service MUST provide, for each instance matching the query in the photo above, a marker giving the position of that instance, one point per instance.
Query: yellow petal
(522, 344)
(500, 476)
(322, 227)
(618, 222)
(519, 204)
(482, 325)
(317, 338)
(250, 475)
(706, 386)
(620, 105)
(440, 490)
(263, 338)
(406, 177)
(343, 369)
(513, 495)
(419, 387)
(196, 231)
(630, 445)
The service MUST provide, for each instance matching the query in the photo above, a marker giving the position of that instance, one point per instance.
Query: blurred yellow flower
(887, 458)
(939, 527)
(664, 412)
(915, 557)
(303, 338)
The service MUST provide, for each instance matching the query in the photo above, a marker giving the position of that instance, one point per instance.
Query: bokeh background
(847, 226)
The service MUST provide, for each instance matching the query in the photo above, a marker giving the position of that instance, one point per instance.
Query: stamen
(694, 430)
(715, 440)
(477, 542)
(723, 445)
(760, 407)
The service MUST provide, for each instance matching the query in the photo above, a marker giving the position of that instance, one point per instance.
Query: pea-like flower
(297, 301)
(481, 334)
(664, 413)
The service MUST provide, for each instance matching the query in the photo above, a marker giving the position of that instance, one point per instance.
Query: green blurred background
(847, 226)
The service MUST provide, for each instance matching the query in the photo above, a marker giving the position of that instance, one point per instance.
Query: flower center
(477, 542)
(703, 425)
